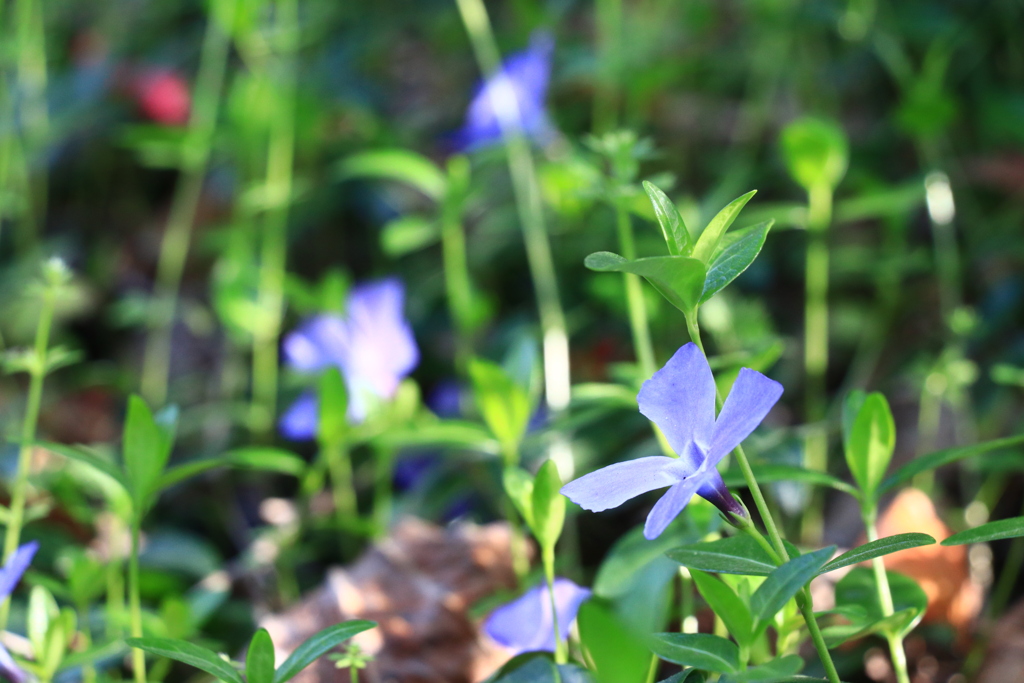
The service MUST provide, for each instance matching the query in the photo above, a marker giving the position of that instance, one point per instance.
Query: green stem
(30, 42)
(273, 255)
(608, 16)
(531, 215)
(339, 462)
(178, 235)
(899, 657)
(548, 557)
(652, 669)
(777, 550)
(19, 492)
(135, 602)
(456, 277)
(517, 542)
(382, 496)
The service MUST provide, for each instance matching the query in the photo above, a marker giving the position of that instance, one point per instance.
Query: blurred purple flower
(10, 574)
(512, 99)
(372, 345)
(525, 624)
(680, 399)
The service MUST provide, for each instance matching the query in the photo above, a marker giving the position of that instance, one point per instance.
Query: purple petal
(717, 493)
(8, 669)
(299, 422)
(680, 399)
(381, 349)
(670, 505)
(16, 565)
(752, 396)
(612, 486)
(317, 344)
(525, 624)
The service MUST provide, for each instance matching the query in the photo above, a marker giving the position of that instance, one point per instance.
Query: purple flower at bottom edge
(512, 98)
(680, 399)
(10, 574)
(525, 624)
(372, 345)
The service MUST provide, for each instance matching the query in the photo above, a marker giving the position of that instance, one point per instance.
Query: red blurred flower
(163, 96)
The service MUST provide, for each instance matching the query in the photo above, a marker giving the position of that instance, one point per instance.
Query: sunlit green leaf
(259, 661)
(700, 650)
(883, 546)
(318, 645)
(740, 250)
(677, 237)
(992, 531)
(870, 443)
(708, 241)
(619, 655)
(816, 152)
(396, 164)
(680, 279)
(783, 583)
(727, 605)
(548, 505)
(504, 405)
(187, 653)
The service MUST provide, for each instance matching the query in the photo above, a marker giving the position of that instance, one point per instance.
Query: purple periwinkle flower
(372, 345)
(512, 99)
(525, 624)
(680, 399)
(10, 574)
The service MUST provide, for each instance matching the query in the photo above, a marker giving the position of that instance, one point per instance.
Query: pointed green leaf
(677, 237)
(883, 546)
(317, 645)
(993, 531)
(837, 634)
(259, 661)
(87, 456)
(783, 583)
(708, 241)
(679, 279)
(396, 164)
(146, 449)
(732, 555)
(777, 669)
(871, 442)
(548, 506)
(945, 457)
(859, 589)
(518, 486)
(257, 458)
(741, 248)
(727, 605)
(700, 650)
(504, 405)
(631, 553)
(407, 234)
(187, 653)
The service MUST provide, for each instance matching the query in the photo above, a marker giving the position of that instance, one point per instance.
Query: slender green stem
(135, 602)
(178, 235)
(343, 490)
(816, 342)
(456, 272)
(531, 214)
(548, 558)
(899, 656)
(30, 43)
(608, 16)
(273, 255)
(777, 550)
(382, 496)
(517, 542)
(652, 669)
(115, 584)
(19, 492)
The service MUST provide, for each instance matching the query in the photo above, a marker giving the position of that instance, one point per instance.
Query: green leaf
(992, 531)
(504, 405)
(816, 152)
(708, 241)
(780, 668)
(770, 473)
(260, 459)
(618, 653)
(870, 444)
(732, 555)
(317, 645)
(87, 456)
(548, 506)
(859, 589)
(699, 650)
(680, 279)
(630, 554)
(883, 546)
(741, 249)
(187, 653)
(677, 237)
(518, 486)
(145, 452)
(837, 634)
(727, 605)
(396, 164)
(686, 676)
(783, 583)
(259, 661)
(945, 457)
(407, 234)
(332, 423)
